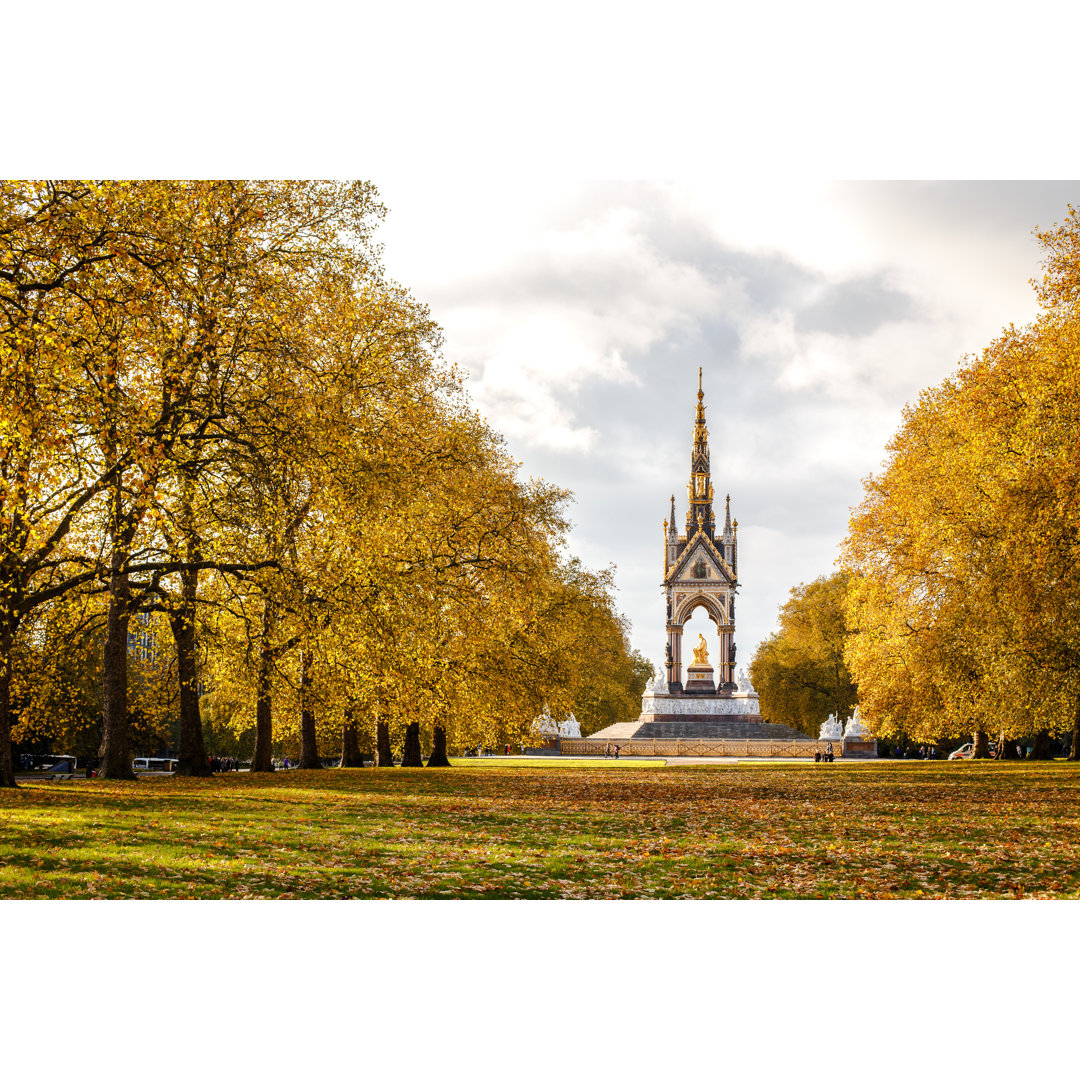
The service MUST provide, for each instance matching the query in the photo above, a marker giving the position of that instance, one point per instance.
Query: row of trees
(218, 417)
(960, 589)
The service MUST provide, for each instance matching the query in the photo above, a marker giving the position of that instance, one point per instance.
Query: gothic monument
(700, 571)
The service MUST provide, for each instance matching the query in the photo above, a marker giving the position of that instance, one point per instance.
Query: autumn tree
(966, 550)
(441, 610)
(58, 244)
(231, 320)
(799, 671)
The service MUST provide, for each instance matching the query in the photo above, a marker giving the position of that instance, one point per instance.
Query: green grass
(549, 830)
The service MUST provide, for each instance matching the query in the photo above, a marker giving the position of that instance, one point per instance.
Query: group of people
(611, 750)
(226, 764)
(825, 755)
(923, 753)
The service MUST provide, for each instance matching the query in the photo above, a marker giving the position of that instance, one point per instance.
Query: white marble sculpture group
(545, 724)
(854, 729)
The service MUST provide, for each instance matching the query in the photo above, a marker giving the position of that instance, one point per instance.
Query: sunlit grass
(495, 828)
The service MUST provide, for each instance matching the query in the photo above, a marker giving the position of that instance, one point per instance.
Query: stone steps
(714, 729)
(617, 731)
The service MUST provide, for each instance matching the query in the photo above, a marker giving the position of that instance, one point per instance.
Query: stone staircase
(707, 729)
(618, 731)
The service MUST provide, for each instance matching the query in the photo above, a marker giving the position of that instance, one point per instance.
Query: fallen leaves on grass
(877, 830)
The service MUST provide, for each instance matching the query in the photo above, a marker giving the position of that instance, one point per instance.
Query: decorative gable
(699, 563)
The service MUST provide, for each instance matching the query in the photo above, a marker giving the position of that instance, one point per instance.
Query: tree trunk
(1074, 748)
(309, 745)
(1007, 749)
(7, 765)
(115, 752)
(192, 745)
(384, 757)
(1041, 749)
(351, 758)
(261, 760)
(982, 744)
(438, 749)
(412, 757)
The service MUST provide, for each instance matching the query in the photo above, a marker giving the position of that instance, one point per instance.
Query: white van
(155, 764)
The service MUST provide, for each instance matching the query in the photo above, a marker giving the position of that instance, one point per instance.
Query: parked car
(966, 752)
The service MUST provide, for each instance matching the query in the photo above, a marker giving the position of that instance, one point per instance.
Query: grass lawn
(607, 829)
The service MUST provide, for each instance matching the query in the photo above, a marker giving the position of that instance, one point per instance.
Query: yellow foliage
(966, 548)
(218, 414)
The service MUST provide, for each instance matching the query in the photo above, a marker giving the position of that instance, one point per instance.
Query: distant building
(142, 640)
(143, 645)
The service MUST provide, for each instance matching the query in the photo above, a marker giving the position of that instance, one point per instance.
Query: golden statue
(701, 651)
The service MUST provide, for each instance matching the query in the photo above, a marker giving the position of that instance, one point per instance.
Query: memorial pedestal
(860, 747)
(858, 742)
(699, 679)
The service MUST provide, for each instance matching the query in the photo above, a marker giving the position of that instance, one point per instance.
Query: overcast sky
(582, 311)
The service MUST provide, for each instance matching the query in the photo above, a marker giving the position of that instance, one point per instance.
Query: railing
(770, 748)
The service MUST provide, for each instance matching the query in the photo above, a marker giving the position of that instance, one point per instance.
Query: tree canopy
(965, 552)
(799, 671)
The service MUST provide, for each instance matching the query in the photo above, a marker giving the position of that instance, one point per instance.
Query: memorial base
(859, 747)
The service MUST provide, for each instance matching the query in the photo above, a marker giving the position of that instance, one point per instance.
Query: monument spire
(700, 489)
(671, 538)
(727, 539)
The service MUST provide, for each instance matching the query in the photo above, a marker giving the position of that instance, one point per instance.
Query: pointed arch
(713, 608)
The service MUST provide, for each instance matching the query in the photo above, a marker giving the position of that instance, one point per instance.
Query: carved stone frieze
(680, 706)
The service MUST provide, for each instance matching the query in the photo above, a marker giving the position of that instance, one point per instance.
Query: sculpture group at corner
(854, 729)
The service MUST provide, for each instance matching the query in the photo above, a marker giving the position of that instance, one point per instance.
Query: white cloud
(564, 311)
